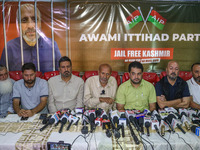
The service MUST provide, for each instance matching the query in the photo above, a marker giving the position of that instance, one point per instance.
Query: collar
(178, 80)
(71, 79)
(27, 47)
(109, 84)
(194, 82)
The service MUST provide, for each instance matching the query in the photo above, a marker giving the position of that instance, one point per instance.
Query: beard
(6, 86)
(26, 38)
(29, 81)
(66, 74)
(172, 76)
(136, 82)
(197, 79)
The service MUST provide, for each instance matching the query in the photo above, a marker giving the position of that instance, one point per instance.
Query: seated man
(99, 91)
(66, 89)
(171, 90)
(6, 85)
(194, 86)
(30, 93)
(136, 93)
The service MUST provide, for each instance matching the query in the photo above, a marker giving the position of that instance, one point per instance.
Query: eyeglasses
(102, 92)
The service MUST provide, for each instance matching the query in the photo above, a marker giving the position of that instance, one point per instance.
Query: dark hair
(194, 64)
(135, 64)
(65, 58)
(28, 66)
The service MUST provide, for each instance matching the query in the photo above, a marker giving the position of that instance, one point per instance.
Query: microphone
(63, 119)
(92, 119)
(175, 122)
(99, 112)
(132, 133)
(141, 122)
(163, 126)
(72, 120)
(54, 119)
(106, 125)
(84, 129)
(185, 121)
(133, 120)
(147, 124)
(45, 120)
(51, 121)
(154, 125)
(122, 127)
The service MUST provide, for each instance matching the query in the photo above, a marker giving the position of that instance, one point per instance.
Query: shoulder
(125, 84)
(13, 43)
(41, 82)
(189, 82)
(93, 78)
(14, 40)
(147, 83)
(18, 83)
(54, 79)
(77, 79)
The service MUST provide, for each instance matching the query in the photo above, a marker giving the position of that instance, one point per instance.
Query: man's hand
(22, 113)
(162, 98)
(29, 113)
(106, 100)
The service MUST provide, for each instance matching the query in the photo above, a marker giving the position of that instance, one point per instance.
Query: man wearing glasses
(100, 90)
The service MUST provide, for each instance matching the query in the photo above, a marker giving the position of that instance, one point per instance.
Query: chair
(76, 73)
(185, 75)
(88, 74)
(148, 76)
(15, 75)
(48, 75)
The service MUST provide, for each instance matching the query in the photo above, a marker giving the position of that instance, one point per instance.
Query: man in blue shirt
(171, 90)
(6, 85)
(30, 93)
(29, 44)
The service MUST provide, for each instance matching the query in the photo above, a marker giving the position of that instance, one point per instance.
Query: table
(16, 134)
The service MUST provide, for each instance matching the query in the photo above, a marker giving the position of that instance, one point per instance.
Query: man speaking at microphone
(100, 90)
(30, 93)
(136, 93)
(171, 90)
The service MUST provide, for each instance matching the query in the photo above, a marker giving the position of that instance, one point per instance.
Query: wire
(185, 141)
(166, 141)
(78, 137)
(147, 142)
(119, 144)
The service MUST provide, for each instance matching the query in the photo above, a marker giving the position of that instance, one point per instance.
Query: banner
(96, 32)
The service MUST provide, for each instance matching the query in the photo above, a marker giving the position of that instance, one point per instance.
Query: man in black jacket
(171, 90)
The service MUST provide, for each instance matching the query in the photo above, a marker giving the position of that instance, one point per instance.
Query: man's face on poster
(28, 23)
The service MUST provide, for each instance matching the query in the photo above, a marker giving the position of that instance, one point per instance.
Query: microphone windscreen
(170, 118)
(115, 120)
(64, 120)
(105, 117)
(92, 117)
(51, 121)
(183, 114)
(147, 124)
(98, 112)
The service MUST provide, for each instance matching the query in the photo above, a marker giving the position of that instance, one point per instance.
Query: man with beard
(136, 93)
(30, 93)
(29, 40)
(171, 90)
(66, 89)
(6, 85)
(100, 90)
(194, 86)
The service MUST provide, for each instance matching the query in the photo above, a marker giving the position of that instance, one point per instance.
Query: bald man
(100, 90)
(171, 90)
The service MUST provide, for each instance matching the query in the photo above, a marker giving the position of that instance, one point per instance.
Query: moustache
(66, 72)
(173, 73)
(30, 30)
